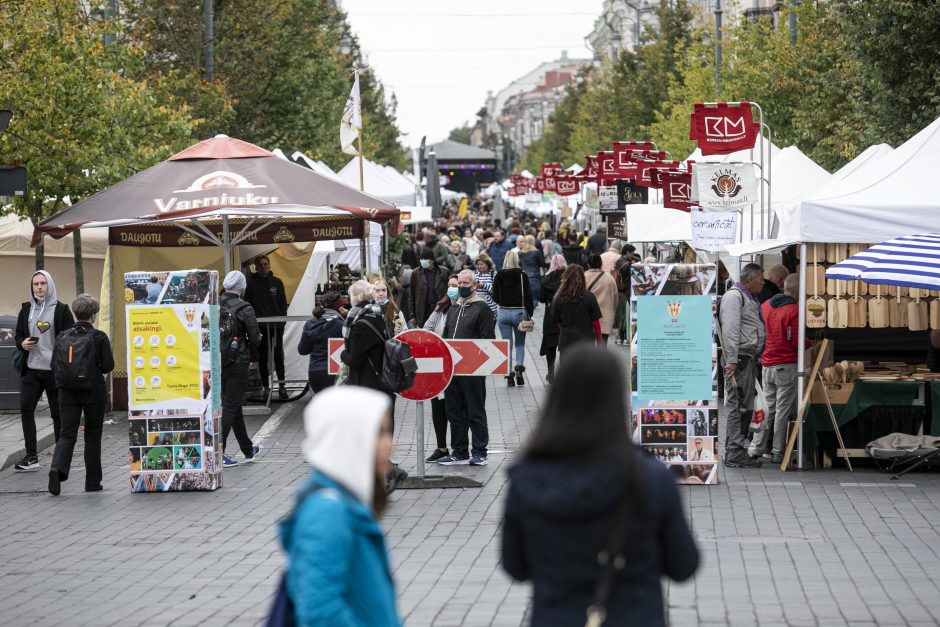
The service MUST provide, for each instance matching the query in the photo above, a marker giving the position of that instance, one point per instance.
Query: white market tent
(389, 186)
(19, 262)
(794, 174)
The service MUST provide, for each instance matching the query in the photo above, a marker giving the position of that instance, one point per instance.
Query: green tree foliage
(861, 72)
(81, 122)
(461, 134)
(282, 68)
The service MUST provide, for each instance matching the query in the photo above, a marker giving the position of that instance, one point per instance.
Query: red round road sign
(435, 365)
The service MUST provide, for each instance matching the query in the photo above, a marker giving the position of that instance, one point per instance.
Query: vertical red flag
(606, 167)
(722, 128)
(590, 166)
(677, 189)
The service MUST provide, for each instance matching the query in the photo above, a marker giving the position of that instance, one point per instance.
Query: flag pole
(366, 228)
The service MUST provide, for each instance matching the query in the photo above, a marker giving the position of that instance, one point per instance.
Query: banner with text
(723, 185)
(713, 230)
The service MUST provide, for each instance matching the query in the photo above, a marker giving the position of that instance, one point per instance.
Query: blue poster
(674, 348)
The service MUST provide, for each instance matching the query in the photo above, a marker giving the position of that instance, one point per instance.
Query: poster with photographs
(675, 417)
(174, 380)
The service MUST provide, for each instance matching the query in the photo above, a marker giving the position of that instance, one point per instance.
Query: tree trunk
(40, 249)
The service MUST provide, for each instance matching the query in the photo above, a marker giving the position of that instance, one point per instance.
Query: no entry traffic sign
(435, 364)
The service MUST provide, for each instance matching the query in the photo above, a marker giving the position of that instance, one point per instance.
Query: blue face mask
(382, 302)
(453, 293)
(425, 263)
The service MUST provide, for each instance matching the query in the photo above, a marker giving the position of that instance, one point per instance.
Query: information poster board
(174, 380)
(674, 367)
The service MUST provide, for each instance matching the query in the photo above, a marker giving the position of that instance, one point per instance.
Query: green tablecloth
(865, 394)
(934, 427)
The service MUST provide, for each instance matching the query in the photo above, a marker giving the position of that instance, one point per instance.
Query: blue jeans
(508, 319)
(534, 283)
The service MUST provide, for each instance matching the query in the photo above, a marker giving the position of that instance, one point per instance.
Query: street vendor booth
(193, 210)
(875, 379)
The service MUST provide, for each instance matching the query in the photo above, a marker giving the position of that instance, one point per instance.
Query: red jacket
(781, 319)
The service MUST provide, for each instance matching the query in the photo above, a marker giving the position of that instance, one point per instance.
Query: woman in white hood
(338, 571)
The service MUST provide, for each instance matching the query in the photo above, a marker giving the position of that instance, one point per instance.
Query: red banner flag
(590, 166)
(551, 182)
(655, 173)
(539, 184)
(606, 167)
(549, 168)
(567, 185)
(723, 128)
(677, 189)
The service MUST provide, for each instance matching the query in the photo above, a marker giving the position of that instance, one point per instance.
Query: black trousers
(465, 402)
(234, 384)
(439, 418)
(273, 332)
(72, 404)
(320, 381)
(32, 385)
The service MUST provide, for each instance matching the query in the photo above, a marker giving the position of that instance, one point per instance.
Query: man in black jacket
(428, 285)
(597, 243)
(465, 397)
(40, 321)
(74, 403)
(235, 373)
(266, 294)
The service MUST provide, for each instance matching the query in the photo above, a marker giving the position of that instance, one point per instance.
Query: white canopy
(793, 175)
(379, 181)
(655, 223)
(885, 198)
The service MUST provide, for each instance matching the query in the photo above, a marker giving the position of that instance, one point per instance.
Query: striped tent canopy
(911, 261)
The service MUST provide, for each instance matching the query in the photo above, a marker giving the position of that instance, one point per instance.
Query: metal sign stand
(419, 480)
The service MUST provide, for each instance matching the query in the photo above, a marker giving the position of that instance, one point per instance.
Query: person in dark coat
(550, 284)
(465, 397)
(573, 252)
(773, 283)
(39, 323)
(513, 293)
(597, 243)
(365, 335)
(575, 310)
(428, 286)
(327, 323)
(265, 292)
(72, 403)
(579, 482)
(499, 247)
(235, 374)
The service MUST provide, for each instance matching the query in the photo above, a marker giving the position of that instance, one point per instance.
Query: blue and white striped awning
(911, 261)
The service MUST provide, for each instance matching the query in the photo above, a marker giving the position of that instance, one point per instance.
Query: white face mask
(425, 263)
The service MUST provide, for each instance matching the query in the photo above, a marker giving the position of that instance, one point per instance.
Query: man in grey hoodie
(743, 336)
(41, 319)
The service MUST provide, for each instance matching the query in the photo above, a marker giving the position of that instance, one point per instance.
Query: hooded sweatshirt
(41, 324)
(470, 319)
(338, 571)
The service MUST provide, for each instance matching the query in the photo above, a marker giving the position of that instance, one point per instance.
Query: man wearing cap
(235, 369)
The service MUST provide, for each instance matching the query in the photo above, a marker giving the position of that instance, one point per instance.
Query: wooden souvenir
(935, 314)
(897, 312)
(917, 312)
(838, 311)
(878, 310)
(815, 306)
(858, 309)
(835, 253)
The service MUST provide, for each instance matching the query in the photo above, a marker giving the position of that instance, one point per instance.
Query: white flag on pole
(351, 123)
(724, 185)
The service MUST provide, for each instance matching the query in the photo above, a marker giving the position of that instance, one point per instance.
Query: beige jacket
(605, 291)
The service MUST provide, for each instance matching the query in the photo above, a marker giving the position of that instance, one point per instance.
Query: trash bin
(9, 378)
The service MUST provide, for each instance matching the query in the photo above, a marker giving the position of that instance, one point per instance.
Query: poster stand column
(801, 342)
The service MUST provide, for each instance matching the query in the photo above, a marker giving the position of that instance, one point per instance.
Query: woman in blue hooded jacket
(338, 572)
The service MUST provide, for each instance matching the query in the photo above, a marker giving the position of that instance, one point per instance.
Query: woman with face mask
(436, 324)
(394, 319)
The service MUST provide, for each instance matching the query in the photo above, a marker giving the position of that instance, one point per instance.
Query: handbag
(19, 358)
(611, 559)
(527, 324)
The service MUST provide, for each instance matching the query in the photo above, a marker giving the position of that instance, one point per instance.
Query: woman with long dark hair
(580, 489)
(575, 310)
(547, 289)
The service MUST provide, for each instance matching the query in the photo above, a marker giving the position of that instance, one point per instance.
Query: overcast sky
(440, 58)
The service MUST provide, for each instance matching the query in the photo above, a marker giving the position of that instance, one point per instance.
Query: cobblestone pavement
(803, 548)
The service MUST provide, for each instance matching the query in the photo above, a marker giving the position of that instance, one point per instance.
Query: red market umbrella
(223, 177)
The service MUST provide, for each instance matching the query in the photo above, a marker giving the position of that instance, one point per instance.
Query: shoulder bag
(611, 560)
(527, 324)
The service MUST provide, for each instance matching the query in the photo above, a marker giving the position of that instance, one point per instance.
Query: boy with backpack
(80, 359)
(238, 335)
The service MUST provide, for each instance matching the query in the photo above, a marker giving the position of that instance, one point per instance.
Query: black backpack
(230, 330)
(398, 364)
(74, 360)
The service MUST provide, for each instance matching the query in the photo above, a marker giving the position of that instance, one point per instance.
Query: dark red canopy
(221, 176)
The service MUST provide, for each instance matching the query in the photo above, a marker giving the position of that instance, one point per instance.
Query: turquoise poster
(674, 348)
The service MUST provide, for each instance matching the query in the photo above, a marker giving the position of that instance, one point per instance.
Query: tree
(461, 134)
(81, 123)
